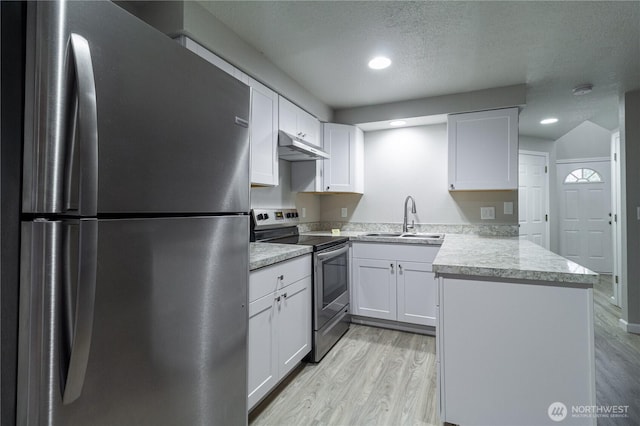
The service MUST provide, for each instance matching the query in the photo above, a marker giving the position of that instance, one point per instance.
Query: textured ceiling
(447, 47)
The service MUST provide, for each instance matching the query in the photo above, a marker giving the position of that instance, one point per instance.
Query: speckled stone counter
(507, 257)
(265, 254)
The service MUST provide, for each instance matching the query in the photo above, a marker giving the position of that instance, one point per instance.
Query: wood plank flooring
(617, 358)
(375, 376)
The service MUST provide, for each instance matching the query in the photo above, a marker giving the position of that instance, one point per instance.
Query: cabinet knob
(399, 268)
(327, 188)
(281, 277)
(278, 299)
(391, 266)
(284, 295)
(452, 187)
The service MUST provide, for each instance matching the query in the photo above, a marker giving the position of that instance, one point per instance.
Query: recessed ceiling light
(582, 89)
(397, 123)
(379, 62)
(549, 120)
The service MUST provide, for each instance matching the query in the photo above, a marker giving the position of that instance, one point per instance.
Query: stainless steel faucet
(405, 226)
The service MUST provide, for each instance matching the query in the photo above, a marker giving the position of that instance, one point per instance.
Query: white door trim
(583, 160)
(546, 182)
(616, 204)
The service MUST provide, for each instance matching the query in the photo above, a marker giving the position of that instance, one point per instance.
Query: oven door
(331, 283)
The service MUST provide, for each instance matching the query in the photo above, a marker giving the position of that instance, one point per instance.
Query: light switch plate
(343, 212)
(487, 213)
(304, 212)
(508, 207)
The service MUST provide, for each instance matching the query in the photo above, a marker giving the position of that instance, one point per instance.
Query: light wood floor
(382, 377)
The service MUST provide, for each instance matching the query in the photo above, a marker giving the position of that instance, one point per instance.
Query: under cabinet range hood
(292, 148)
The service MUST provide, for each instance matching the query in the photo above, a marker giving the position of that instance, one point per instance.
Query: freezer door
(156, 335)
(122, 119)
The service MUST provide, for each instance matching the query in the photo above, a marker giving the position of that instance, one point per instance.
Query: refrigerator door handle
(84, 310)
(87, 126)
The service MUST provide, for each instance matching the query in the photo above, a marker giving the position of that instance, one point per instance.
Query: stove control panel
(274, 218)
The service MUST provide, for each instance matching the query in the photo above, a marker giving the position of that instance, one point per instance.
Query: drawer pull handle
(281, 277)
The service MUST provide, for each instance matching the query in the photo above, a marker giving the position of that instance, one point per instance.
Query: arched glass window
(583, 176)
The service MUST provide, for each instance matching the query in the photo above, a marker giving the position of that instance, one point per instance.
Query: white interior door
(533, 197)
(616, 202)
(584, 197)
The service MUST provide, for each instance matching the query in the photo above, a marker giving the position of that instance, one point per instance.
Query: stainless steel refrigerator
(134, 227)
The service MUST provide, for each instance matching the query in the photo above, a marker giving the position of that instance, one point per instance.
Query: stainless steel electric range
(330, 270)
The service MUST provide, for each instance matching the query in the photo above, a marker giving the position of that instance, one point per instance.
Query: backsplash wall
(413, 161)
(281, 196)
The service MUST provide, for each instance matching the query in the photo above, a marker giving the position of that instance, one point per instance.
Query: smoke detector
(582, 89)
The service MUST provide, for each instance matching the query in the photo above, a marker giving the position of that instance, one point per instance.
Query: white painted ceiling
(447, 47)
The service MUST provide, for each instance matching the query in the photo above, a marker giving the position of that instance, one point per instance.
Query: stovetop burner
(280, 226)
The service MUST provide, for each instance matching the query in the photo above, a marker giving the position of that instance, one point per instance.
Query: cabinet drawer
(267, 280)
(405, 252)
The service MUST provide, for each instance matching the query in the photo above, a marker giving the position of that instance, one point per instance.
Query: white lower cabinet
(279, 323)
(394, 282)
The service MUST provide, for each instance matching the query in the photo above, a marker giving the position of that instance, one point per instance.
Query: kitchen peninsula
(515, 333)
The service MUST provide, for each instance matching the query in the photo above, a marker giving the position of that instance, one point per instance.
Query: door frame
(616, 205)
(546, 201)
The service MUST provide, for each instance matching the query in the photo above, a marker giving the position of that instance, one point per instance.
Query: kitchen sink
(425, 236)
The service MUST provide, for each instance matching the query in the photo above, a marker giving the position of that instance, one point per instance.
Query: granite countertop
(265, 254)
(507, 257)
(361, 236)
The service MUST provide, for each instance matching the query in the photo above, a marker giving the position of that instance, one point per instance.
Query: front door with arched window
(584, 200)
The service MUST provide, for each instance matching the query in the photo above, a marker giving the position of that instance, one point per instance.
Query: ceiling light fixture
(379, 63)
(550, 120)
(582, 89)
(396, 123)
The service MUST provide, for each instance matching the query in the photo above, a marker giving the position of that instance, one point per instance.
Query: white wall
(530, 143)
(412, 161)
(587, 140)
(630, 157)
(281, 196)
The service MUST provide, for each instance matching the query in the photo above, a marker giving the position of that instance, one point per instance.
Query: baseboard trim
(629, 327)
(394, 325)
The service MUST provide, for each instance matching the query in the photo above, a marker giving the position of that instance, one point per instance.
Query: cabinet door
(309, 128)
(264, 135)
(483, 150)
(263, 362)
(374, 285)
(416, 293)
(339, 143)
(294, 324)
(287, 120)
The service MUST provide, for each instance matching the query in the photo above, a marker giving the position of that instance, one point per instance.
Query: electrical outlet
(508, 207)
(343, 212)
(487, 213)
(304, 212)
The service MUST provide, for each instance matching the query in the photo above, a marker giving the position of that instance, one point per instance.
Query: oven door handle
(333, 253)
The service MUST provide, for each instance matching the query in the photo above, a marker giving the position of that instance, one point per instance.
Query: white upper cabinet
(297, 122)
(483, 150)
(344, 170)
(264, 135)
